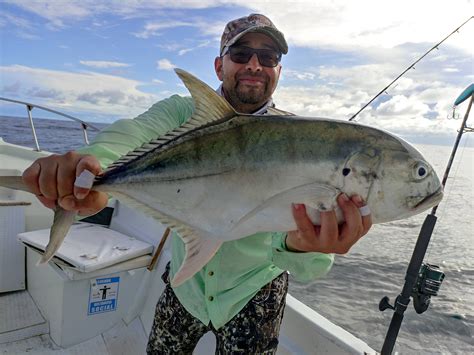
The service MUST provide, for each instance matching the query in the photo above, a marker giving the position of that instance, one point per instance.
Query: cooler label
(103, 295)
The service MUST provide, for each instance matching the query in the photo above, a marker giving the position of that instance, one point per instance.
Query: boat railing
(29, 107)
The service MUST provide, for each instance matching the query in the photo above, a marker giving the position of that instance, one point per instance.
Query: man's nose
(253, 64)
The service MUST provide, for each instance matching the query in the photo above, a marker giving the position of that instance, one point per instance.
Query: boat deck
(24, 330)
(20, 317)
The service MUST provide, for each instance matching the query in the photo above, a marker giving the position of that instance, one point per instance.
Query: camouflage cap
(235, 29)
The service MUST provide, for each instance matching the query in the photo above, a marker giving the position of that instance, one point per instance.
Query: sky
(105, 60)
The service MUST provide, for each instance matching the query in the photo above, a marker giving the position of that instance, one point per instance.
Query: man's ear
(218, 68)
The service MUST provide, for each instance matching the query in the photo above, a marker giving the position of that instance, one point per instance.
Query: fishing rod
(422, 280)
(411, 66)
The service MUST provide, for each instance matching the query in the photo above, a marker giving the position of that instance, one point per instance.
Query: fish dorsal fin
(208, 105)
(209, 108)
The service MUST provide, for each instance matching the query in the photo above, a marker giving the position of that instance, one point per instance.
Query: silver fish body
(240, 177)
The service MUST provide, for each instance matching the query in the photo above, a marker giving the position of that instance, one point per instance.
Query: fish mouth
(430, 200)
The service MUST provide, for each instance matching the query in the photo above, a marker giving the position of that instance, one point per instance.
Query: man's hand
(52, 178)
(329, 237)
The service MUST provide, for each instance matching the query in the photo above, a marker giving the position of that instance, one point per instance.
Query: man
(240, 294)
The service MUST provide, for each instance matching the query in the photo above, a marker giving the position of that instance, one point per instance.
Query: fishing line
(447, 193)
(411, 66)
(446, 199)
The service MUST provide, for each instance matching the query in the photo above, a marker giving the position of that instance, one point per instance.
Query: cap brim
(276, 36)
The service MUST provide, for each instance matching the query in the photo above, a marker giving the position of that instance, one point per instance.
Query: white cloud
(400, 105)
(297, 74)
(451, 70)
(57, 11)
(202, 44)
(153, 28)
(81, 92)
(21, 27)
(165, 64)
(6, 18)
(103, 64)
(367, 23)
(415, 109)
(335, 24)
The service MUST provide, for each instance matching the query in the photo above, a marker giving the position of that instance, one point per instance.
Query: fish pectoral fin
(198, 253)
(61, 224)
(315, 195)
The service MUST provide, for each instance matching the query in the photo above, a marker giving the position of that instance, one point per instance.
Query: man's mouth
(251, 80)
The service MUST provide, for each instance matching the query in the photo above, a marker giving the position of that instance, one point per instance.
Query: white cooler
(12, 253)
(90, 284)
(12, 222)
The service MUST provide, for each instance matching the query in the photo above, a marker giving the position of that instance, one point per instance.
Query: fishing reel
(427, 284)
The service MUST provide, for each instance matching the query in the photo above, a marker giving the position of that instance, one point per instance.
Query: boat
(62, 307)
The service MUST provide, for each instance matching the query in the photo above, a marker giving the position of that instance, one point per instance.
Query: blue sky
(104, 60)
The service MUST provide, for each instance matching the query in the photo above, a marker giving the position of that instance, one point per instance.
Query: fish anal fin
(61, 224)
(199, 252)
(13, 182)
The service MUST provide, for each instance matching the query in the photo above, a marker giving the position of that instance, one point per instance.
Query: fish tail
(13, 182)
(62, 223)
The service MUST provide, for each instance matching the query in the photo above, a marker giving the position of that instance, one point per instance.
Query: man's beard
(251, 95)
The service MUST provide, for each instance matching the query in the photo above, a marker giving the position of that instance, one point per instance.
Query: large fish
(224, 175)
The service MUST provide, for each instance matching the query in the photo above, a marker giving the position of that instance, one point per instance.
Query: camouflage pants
(254, 330)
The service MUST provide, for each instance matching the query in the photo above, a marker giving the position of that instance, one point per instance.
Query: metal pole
(29, 109)
(31, 106)
(84, 131)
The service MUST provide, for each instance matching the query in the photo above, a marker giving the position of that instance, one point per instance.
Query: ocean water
(55, 136)
(376, 265)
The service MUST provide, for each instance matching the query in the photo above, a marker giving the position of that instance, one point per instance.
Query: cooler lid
(89, 247)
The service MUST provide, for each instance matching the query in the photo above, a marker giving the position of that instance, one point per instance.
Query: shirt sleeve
(125, 135)
(303, 267)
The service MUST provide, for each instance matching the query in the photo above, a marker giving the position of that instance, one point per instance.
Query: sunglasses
(242, 54)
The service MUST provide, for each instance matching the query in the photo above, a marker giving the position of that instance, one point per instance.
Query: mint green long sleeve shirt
(241, 267)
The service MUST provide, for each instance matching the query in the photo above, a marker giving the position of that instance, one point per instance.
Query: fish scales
(249, 140)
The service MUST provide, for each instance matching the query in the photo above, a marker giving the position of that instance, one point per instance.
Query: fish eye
(420, 171)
